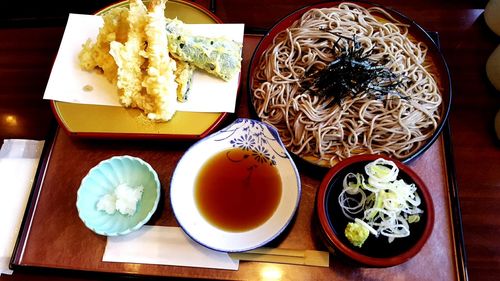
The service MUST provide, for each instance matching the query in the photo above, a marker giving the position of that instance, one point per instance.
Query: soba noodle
(359, 124)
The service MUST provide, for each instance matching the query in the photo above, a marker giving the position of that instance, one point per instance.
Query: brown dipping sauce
(235, 192)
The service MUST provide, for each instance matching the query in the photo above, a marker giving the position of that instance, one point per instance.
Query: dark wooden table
(29, 42)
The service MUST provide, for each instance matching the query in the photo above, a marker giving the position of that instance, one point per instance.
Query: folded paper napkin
(166, 246)
(18, 164)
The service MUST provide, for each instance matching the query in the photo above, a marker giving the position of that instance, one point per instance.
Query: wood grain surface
(28, 48)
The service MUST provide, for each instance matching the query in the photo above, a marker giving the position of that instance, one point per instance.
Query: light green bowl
(103, 179)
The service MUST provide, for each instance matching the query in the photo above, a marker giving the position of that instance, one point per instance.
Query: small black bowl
(375, 252)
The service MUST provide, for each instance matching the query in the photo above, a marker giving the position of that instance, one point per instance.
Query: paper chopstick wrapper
(18, 164)
(170, 246)
(165, 246)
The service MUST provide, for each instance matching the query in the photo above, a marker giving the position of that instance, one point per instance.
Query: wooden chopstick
(289, 256)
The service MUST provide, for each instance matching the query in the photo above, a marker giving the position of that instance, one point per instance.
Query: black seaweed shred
(353, 72)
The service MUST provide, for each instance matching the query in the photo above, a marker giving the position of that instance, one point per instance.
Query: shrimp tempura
(159, 80)
(127, 56)
(138, 60)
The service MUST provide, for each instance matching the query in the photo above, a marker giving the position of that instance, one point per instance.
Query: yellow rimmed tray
(99, 121)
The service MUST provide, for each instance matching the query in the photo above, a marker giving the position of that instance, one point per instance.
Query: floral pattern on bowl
(263, 142)
(255, 136)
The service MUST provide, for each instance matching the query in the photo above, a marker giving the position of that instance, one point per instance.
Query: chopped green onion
(383, 204)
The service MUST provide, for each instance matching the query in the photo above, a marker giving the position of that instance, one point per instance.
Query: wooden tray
(53, 237)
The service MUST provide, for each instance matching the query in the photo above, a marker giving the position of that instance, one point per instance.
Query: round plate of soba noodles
(339, 79)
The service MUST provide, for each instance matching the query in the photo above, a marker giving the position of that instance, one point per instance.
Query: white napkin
(166, 246)
(18, 164)
(67, 80)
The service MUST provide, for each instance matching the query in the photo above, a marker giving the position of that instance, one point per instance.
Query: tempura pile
(132, 52)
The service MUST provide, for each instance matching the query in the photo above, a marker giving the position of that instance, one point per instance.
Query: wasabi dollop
(356, 233)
